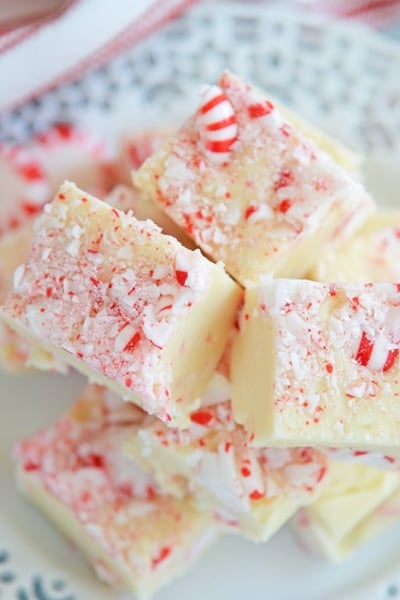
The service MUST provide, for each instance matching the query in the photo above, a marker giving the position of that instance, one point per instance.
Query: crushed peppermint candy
(116, 297)
(250, 189)
(212, 460)
(79, 462)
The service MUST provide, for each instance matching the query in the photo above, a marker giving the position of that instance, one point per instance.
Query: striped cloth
(87, 33)
(380, 14)
(83, 34)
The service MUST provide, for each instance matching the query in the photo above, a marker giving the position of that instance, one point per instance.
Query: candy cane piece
(217, 125)
(375, 354)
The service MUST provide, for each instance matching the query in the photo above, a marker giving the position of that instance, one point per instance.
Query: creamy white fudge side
(372, 254)
(126, 305)
(318, 364)
(251, 491)
(14, 248)
(348, 510)
(17, 354)
(76, 474)
(385, 516)
(250, 189)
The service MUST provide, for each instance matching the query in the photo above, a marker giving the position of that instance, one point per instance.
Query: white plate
(347, 81)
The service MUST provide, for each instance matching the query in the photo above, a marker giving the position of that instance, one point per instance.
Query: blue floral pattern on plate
(37, 589)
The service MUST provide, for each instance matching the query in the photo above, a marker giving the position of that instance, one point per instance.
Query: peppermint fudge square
(249, 490)
(372, 254)
(347, 512)
(74, 471)
(17, 354)
(318, 364)
(126, 305)
(250, 189)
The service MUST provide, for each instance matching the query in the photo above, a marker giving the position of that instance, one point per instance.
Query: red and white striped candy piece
(217, 125)
(376, 354)
(24, 187)
(70, 152)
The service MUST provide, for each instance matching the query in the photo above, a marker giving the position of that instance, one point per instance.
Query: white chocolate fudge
(378, 460)
(250, 189)
(128, 198)
(14, 248)
(251, 491)
(342, 154)
(76, 474)
(350, 493)
(318, 364)
(386, 515)
(126, 305)
(17, 353)
(337, 522)
(372, 254)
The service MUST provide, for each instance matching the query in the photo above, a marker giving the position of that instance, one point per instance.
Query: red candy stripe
(207, 106)
(364, 350)
(217, 125)
(221, 124)
(260, 109)
(390, 359)
(364, 355)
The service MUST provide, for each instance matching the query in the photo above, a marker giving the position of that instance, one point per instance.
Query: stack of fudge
(236, 314)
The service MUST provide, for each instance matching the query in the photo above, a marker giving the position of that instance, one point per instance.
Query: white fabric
(65, 46)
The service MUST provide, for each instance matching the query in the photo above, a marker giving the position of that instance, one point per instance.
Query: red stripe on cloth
(9, 39)
(368, 7)
(374, 12)
(154, 18)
